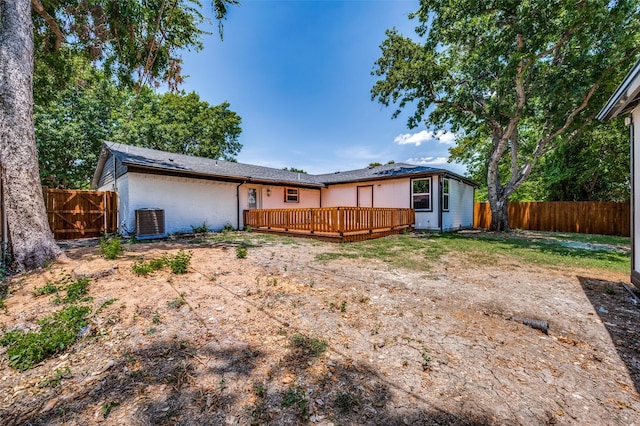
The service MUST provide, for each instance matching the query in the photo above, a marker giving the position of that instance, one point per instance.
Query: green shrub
(48, 288)
(76, 290)
(241, 252)
(144, 268)
(111, 248)
(228, 228)
(57, 332)
(179, 263)
(200, 229)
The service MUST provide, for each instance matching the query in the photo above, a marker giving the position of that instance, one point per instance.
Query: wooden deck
(332, 223)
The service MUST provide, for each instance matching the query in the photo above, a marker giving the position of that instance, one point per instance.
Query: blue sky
(299, 75)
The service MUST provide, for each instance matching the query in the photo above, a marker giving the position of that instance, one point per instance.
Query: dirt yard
(241, 341)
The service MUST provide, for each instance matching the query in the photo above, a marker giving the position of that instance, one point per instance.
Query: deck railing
(330, 220)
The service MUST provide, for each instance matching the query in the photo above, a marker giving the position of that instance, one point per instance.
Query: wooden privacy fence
(587, 217)
(80, 214)
(343, 223)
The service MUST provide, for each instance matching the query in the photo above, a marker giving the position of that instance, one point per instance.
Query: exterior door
(253, 199)
(365, 196)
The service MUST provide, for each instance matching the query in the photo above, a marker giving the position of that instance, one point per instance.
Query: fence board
(587, 217)
(340, 222)
(81, 214)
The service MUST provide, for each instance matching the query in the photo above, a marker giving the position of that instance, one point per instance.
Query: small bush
(110, 248)
(200, 229)
(144, 268)
(241, 252)
(179, 263)
(57, 332)
(228, 228)
(48, 288)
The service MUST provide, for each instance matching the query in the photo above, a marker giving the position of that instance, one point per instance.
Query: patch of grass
(156, 318)
(143, 268)
(105, 304)
(76, 290)
(309, 347)
(241, 252)
(228, 228)
(56, 378)
(177, 303)
(346, 401)
(111, 247)
(57, 332)
(296, 396)
(48, 288)
(107, 407)
(419, 252)
(179, 263)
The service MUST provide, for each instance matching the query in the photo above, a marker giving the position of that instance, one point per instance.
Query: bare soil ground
(404, 347)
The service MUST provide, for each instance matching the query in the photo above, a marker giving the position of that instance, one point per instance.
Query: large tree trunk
(499, 215)
(30, 238)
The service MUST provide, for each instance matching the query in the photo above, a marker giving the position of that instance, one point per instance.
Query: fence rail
(587, 217)
(80, 214)
(345, 223)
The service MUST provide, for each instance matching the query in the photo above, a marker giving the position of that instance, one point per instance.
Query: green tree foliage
(72, 124)
(294, 169)
(509, 78)
(180, 123)
(591, 165)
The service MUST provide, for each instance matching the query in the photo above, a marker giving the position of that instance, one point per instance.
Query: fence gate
(81, 214)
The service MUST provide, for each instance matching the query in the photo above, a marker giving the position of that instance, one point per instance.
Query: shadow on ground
(162, 384)
(620, 315)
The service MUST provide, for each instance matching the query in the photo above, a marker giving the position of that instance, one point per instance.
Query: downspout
(238, 203)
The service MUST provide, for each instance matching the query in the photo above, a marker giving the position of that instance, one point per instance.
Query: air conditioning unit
(150, 224)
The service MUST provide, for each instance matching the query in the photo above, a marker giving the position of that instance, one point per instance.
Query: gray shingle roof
(151, 159)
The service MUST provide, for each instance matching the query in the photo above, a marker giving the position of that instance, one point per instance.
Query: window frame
(255, 205)
(446, 195)
(413, 194)
(287, 195)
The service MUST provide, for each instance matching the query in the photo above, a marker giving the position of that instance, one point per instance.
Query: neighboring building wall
(635, 210)
(186, 202)
(386, 193)
(460, 214)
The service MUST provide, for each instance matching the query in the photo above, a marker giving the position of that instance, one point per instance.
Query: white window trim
(430, 208)
(447, 195)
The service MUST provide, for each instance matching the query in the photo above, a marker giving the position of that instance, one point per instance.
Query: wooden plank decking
(331, 223)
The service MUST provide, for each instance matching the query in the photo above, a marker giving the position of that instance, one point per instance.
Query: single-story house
(192, 190)
(626, 101)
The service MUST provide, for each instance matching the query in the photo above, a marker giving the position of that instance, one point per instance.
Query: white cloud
(428, 161)
(418, 138)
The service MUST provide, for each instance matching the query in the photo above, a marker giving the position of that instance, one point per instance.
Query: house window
(421, 194)
(253, 198)
(291, 195)
(445, 195)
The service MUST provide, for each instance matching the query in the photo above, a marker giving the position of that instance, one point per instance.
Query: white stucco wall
(186, 202)
(460, 214)
(386, 193)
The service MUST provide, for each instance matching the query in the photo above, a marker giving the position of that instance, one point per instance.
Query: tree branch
(39, 8)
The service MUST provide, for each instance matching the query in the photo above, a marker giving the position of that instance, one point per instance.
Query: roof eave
(625, 96)
(238, 179)
(102, 159)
